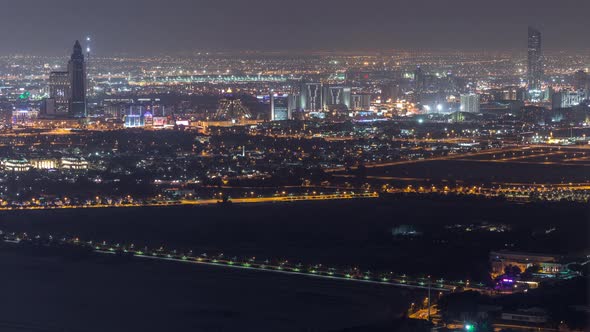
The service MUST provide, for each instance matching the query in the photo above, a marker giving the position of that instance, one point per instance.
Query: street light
(429, 298)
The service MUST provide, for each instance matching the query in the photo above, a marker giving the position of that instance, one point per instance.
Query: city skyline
(400, 165)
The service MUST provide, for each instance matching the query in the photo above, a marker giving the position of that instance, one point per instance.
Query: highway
(212, 201)
(294, 198)
(499, 188)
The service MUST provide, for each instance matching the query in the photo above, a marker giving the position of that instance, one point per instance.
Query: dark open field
(486, 172)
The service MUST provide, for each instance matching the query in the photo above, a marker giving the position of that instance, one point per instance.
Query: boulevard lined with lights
(220, 260)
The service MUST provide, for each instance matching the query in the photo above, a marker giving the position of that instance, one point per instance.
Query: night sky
(171, 26)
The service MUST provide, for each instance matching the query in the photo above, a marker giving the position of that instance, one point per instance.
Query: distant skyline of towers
(319, 97)
(534, 59)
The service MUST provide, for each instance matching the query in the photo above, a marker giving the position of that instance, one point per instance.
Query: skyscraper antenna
(88, 39)
(88, 87)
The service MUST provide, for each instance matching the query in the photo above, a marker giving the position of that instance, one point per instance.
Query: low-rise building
(74, 163)
(16, 165)
(548, 264)
(531, 316)
(45, 163)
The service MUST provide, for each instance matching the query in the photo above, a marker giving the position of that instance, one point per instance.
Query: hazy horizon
(182, 26)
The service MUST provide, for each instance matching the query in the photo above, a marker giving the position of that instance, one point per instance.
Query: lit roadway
(328, 138)
(415, 161)
(503, 151)
(283, 267)
(316, 197)
(244, 200)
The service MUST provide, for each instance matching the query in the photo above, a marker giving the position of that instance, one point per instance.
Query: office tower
(419, 80)
(510, 93)
(77, 74)
(310, 96)
(59, 91)
(48, 107)
(337, 95)
(580, 80)
(470, 103)
(391, 91)
(565, 99)
(231, 109)
(280, 108)
(534, 60)
(115, 110)
(361, 102)
(134, 117)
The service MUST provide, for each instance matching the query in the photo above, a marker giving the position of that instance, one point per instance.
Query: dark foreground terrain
(49, 293)
(43, 290)
(341, 233)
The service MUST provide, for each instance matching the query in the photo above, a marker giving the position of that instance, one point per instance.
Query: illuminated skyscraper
(534, 60)
(565, 99)
(470, 103)
(360, 102)
(419, 80)
(580, 80)
(311, 97)
(280, 107)
(337, 95)
(77, 73)
(59, 91)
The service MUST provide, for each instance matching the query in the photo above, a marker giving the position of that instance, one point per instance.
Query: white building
(470, 103)
(44, 163)
(565, 99)
(16, 165)
(74, 163)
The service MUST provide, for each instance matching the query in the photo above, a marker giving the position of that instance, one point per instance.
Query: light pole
(429, 286)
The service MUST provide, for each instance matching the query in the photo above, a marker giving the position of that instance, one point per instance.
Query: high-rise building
(59, 90)
(360, 102)
(114, 110)
(581, 80)
(391, 91)
(565, 99)
(419, 80)
(280, 108)
(77, 75)
(310, 96)
(337, 95)
(534, 60)
(134, 117)
(470, 103)
(510, 93)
